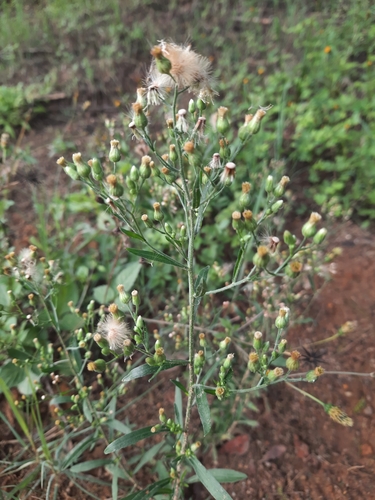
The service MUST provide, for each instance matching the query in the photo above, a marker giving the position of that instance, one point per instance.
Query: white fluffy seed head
(114, 331)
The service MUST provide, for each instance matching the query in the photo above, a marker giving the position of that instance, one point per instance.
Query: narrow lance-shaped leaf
(153, 256)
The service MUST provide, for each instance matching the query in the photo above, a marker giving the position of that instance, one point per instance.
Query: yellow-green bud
(282, 319)
(292, 363)
(280, 188)
(201, 105)
(290, 239)
(139, 119)
(96, 169)
(97, 366)
(276, 206)
(222, 123)
(114, 152)
(145, 168)
(158, 214)
(258, 342)
(192, 106)
(83, 169)
(309, 229)
(320, 236)
(262, 256)
(163, 64)
(134, 174)
(269, 184)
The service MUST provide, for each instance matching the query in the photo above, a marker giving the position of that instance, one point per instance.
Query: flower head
(114, 331)
(187, 69)
(338, 415)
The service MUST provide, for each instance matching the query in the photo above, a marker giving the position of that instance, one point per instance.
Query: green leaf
(128, 275)
(132, 438)
(153, 256)
(222, 475)
(178, 405)
(144, 370)
(203, 409)
(89, 465)
(237, 265)
(200, 285)
(151, 490)
(208, 480)
(18, 354)
(177, 383)
(86, 411)
(12, 374)
(77, 451)
(103, 294)
(131, 234)
(148, 456)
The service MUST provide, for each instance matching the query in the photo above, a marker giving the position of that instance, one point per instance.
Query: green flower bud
(276, 206)
(282, 320)
(201, 105)
(228, 361)
(309, 229)
(82, 168)
(115, 188)
(145, 168)
(159, 356)
(280, 188)
(202, 340)
(282, 346)
(163, 64)
(262, 256)
(274, 374)
(220, 393)
(97, 366)
(244, 131)
(73, 174)
(139, 119)
(128, 347)
(172, 153)
(237, 223)
(224, 344)
(199, 360)
(123, 295)
(254, 123)
(320, 236)
(150, 361)
(192, 108)
(158, 214)
(290, 239)
(222, 123)
(292, 363)
(250, 222)
(114, 152)
(96, 169)
(269, 184)
(253, 364)
(146, 220)
(131, 184)
(135, 298)
(134, 174)
(258, 342)
(169, 230)
(245, 197)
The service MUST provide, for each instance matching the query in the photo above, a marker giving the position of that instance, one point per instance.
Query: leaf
(144, 370)
(177, 383)
(222, 475)
(89, 465)
(128, 275)
(77, 451)
(203, 410)
(86, 411)
(131, 234)
(153, 256)
(151, 490)
(131, 438)
(200, 285)
(237, 265)
(148, 456)
(178, 405)
(12, 374)
(18, 354)
(208, 480)
(103, 294)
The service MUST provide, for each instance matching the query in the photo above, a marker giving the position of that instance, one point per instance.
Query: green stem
(305, 393)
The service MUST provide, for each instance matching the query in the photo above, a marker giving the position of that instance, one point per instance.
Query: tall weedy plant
(198, 167)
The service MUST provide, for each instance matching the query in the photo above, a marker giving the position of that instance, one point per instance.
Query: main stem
(192, 306)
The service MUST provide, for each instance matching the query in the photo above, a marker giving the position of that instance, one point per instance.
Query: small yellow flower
(327, 49)
(246, 80)
(261, 71)
(369, 63)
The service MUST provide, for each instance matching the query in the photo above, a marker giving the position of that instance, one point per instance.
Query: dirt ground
(297, 452)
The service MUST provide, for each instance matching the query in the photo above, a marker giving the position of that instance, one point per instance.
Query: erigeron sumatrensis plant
(195, 178)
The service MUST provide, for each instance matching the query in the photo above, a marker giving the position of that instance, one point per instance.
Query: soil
(296, 452)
